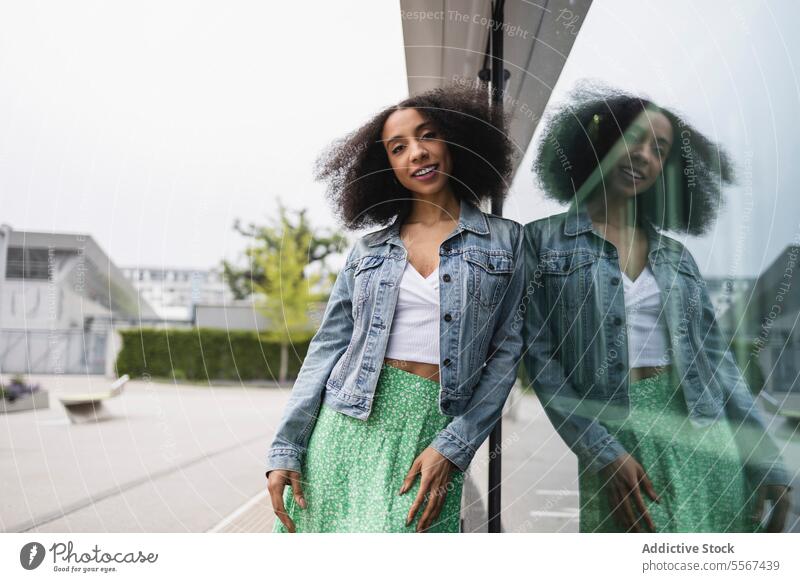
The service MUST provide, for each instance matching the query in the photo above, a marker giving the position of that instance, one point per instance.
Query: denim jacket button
(618, 320)
(615, 280)
(446, 278)
(446, 361)
(620, 366)
(448, 317)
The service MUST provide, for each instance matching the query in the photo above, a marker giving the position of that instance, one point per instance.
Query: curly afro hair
(361, 184)
(580, 134)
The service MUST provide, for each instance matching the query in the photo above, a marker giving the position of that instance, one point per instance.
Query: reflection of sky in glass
(728, 67)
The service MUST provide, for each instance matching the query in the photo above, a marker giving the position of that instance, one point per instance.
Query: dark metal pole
(496, 436)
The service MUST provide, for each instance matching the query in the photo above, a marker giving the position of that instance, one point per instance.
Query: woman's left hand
(435, 470)
(779, 495)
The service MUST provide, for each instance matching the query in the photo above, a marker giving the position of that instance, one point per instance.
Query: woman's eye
(396, 149)
(429, 135)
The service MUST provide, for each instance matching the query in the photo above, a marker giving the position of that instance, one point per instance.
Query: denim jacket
(481, 280)
(576, 352)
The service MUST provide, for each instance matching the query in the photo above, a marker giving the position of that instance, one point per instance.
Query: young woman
(415, 355)
(622, 345)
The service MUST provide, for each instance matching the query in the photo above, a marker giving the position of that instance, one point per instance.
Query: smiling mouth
(425, 171)
(632, 173)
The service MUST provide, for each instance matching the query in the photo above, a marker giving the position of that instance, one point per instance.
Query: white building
(60, 298)
(244, 314)
(173, 292)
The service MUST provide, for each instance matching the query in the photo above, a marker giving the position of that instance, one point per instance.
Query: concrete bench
(88, 407)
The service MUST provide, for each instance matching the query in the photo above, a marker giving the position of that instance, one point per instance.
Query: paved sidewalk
(173, 458)
(190, 458)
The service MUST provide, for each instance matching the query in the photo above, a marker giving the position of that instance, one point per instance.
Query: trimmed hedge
(203, 354)
(746, 356)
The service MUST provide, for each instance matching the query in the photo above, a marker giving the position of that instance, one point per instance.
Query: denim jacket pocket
(683, 291)
(489, 273)
(694, 286)
(365, 269)
(566, 276)
(564, 262)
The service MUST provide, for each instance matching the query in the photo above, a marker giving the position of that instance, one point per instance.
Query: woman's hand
(624, 478)
(435, 471)
(277, 479)
(779, 495)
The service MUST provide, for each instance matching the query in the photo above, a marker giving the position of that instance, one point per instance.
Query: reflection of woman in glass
(622, 345)
(416, 352)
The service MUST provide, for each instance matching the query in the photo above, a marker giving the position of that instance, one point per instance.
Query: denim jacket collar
(470, 218)
(578, 222)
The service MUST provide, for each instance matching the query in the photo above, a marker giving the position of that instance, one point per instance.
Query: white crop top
(414, 332)
(644, 313)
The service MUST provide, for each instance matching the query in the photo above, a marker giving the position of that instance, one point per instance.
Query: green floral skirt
(697, 472)
(353, 469)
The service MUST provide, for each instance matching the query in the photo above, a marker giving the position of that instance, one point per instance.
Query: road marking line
(260, 496)
(556, 492)
(571, 514)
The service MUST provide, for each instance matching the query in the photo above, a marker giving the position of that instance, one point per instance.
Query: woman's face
(417, 152)
(641, 159)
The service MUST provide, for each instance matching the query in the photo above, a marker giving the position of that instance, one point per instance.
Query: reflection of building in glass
(769, 320)
(59, 294)
(727, 291)
(173, 292)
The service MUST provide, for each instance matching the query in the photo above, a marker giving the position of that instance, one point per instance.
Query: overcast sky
(153, 125)
(729, 66)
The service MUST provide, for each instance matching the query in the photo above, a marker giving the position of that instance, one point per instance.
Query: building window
(27, 263)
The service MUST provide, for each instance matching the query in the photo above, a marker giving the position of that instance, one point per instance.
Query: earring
(594, 127)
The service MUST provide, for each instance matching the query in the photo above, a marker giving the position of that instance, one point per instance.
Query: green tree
(318, 244)
(288, 288)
